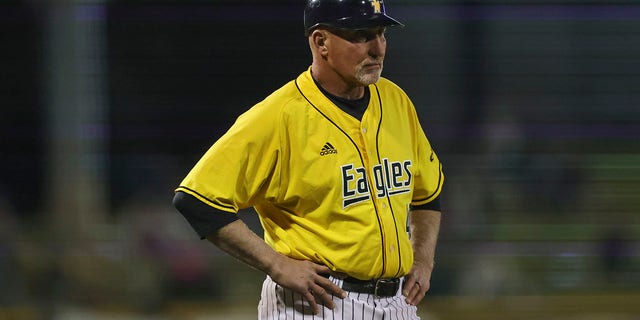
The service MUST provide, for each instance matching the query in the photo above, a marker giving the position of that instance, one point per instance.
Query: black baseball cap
(346, 14)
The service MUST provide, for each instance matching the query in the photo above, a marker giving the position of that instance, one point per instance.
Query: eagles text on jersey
(390, 178)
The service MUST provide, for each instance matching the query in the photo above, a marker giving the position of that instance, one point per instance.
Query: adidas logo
(328, 149)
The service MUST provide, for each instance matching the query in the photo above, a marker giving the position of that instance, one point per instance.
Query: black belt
(376, 287)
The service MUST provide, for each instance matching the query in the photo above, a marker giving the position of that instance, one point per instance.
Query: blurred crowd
(146, 257)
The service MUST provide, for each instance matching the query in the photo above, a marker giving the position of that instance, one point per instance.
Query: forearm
(303, 277)
(425, 226)
(239, 241)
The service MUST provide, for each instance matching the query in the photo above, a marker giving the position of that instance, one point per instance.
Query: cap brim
(385, 21)
(379, 20)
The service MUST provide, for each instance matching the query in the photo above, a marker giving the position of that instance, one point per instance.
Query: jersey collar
(308, 88)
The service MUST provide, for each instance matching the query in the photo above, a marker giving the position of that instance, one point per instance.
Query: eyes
(359, 36)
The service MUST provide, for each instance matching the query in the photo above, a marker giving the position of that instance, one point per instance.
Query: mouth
(372, 65)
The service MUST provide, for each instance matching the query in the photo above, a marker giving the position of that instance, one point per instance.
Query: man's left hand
(416, 284)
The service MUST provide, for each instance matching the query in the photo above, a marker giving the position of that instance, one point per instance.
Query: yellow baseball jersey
(327, 187)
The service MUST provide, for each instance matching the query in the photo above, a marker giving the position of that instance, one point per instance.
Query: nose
(378, 46)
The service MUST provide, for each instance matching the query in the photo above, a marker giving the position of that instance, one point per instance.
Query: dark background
(533, 107)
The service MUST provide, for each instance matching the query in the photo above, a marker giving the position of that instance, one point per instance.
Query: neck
(336, 84)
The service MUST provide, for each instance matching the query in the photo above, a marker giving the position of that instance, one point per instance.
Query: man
(343, 178)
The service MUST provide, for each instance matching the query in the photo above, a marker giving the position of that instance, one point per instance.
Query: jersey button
(364, 130)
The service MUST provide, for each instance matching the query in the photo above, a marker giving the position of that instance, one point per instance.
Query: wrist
(427, 265)
(272, 264)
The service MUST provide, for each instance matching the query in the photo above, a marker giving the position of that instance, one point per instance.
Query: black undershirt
(206, 220)
(355, 108)
(203, 218)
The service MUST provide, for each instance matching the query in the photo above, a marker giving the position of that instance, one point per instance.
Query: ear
(319, 40)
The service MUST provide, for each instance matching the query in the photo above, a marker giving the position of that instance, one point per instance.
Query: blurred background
(533, 107)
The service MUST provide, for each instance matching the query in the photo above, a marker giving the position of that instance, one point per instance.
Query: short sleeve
(429, 173)
(236, 170)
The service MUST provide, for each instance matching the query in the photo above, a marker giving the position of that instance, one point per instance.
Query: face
(357, 55)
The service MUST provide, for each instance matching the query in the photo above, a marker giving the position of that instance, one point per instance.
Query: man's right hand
(308, 279)
(301, 276)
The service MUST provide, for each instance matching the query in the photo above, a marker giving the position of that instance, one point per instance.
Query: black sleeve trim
(431, 205)
(204, 219)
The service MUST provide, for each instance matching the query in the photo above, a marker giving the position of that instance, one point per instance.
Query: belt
(376, 287)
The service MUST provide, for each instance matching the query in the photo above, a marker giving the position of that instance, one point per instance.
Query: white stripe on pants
(278, 303)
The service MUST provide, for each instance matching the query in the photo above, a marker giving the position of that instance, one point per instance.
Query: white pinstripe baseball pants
(278, 303)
